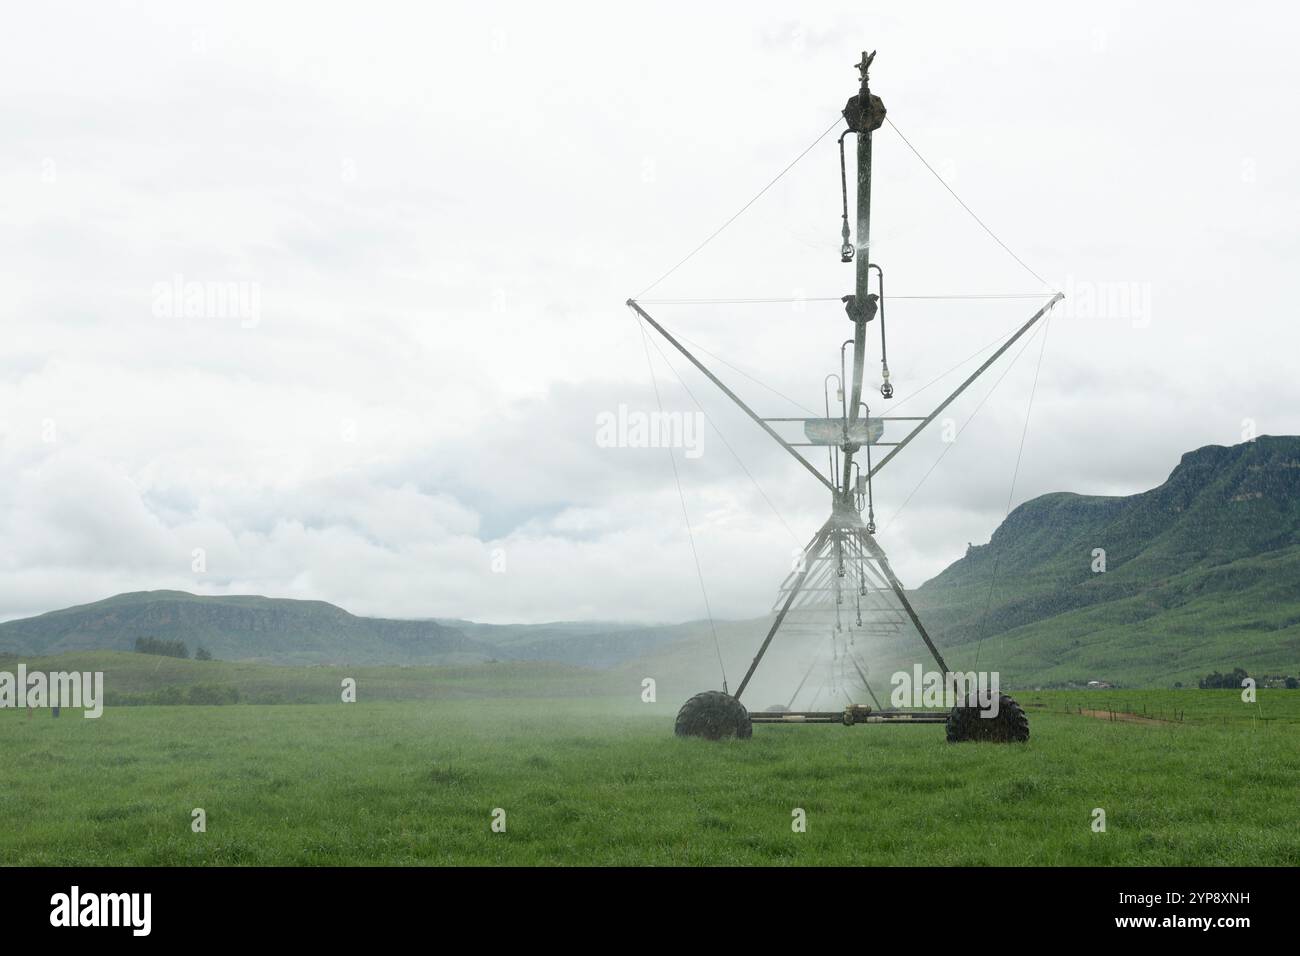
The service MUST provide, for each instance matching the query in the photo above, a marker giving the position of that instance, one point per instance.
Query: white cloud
(442, 210)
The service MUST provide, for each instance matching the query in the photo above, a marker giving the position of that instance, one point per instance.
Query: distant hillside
(286, 631)
(243, 628)
(584, 643)
(1202, 572)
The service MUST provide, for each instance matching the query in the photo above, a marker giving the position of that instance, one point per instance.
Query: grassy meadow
(602, 780)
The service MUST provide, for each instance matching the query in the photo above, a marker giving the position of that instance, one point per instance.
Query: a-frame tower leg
(810, 559)
(878, 555)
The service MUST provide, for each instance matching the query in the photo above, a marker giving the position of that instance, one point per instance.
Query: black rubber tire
(713, 715)
(1011, 725)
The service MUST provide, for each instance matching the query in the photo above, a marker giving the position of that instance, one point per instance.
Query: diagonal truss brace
(632, 304)
(966, 384)
(812, 469)
(814, 547)
(869, 542)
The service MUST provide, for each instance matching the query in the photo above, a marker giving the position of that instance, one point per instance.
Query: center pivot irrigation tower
(843, 559)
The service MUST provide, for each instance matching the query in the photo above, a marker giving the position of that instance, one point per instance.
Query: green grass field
(603, 781)
(131, 678)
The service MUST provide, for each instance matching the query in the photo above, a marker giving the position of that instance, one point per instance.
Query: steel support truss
(843, 559)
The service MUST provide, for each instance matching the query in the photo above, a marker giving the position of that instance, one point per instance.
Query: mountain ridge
(243, 627)
(253, 627)
(1219, 539)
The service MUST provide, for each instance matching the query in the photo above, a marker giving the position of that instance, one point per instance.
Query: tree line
(165, 648)
(1217, 681)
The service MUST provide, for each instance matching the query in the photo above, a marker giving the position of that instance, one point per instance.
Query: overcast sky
(432, 215)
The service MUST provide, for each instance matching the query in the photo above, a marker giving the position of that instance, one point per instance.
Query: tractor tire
(1009, 726)
(713, 715)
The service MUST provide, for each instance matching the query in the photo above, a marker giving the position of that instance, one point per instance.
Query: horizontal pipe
(839, 719)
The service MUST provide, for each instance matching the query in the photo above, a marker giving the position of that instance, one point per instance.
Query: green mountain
(286, 631)
(241, 627)
(1201, 573)
(584, 643)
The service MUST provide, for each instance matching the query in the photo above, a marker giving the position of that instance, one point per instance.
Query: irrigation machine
(843, 573)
